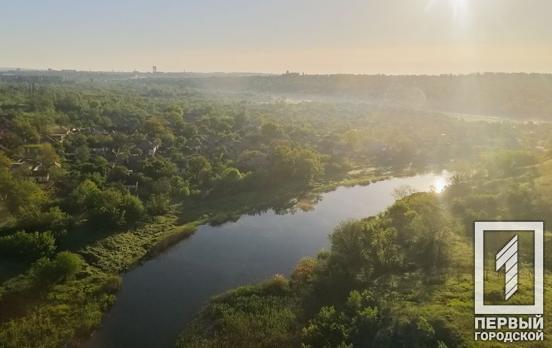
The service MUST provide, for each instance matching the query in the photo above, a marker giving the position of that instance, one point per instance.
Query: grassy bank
(332, 300)
(69, 312)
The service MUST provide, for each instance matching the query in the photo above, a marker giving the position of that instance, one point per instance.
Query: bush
(407, 331)
(247, 317)
(112, 284)
(27, 246)
(327, 329)
(352, 326)
(110, 207)
(158, 204)
(52, 220)
(277, 285)
(64, 266)
(304, 271)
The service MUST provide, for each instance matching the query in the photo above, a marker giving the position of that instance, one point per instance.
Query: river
(159, 297)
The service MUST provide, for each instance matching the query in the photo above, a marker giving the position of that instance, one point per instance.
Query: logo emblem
(507, 257)
(506, 260)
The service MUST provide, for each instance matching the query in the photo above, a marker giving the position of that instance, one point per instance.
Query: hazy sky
(311, 36)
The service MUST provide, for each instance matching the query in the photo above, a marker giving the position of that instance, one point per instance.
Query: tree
(180, 188)
(199, 169)
(20, 195)
(109, 207)
(158, 204)
(64, 266)
(27, 246)
(48, 155)
(406, 332)
(84, 192)
(229, 180)
(294, 163)
(53, 219)
(328, 329)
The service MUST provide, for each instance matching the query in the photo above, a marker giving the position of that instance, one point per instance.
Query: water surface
(158, 298)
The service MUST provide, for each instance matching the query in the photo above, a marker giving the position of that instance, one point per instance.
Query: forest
(96, 176)
(518, 96)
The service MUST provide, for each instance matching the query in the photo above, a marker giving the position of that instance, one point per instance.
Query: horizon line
(287, 72)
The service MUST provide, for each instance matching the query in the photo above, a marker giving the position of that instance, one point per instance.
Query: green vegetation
(350, 296)
(403, 278)
(230, 318)
(62, 267)
(27, 246)
(96, 176)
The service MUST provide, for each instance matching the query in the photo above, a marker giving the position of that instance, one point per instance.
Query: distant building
(154, 69)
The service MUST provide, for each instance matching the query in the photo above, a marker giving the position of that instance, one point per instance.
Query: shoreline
(111, 257)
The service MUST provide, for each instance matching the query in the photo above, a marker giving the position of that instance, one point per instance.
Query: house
(32, 152)
(147, 147)
(59, 134)
(20, 167)
(94, 131)
(100, 150)
(40, 174)
(33, 169)
(153, 150)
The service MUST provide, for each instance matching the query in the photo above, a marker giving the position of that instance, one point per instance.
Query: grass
(66, 313)
(453, 300)
(245, 317)
(118, 252)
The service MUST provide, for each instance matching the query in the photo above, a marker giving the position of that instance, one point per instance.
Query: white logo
(507, 259)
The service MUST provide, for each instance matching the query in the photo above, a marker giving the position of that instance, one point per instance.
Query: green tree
(64, 266)
(27, 246)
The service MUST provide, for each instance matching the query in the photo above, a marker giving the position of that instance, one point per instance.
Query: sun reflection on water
(440, 184)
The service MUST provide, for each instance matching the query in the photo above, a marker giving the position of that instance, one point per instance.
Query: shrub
(276, 285)
(112, 284)
(158, 204)
(27, 246)
(64, 266)
(110, 207)
(52, 220)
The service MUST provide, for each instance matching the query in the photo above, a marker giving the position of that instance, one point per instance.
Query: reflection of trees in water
(403, 191)
(305, 203)
(281, 204)
(292, 205)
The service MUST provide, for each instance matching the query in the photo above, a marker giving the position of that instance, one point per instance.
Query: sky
(310, 36)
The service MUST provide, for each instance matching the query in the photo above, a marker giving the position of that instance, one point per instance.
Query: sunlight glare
(439, 185)
(458, 7)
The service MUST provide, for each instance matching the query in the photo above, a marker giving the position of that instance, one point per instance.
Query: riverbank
(230, 208)
(162, 295)
(69, 312)
(340, 299)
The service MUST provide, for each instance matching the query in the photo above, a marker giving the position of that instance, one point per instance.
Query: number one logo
(507, 257)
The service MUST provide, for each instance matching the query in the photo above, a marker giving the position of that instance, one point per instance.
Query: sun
(458, 7)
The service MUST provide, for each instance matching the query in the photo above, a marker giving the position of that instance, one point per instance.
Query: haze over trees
(94, 175)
